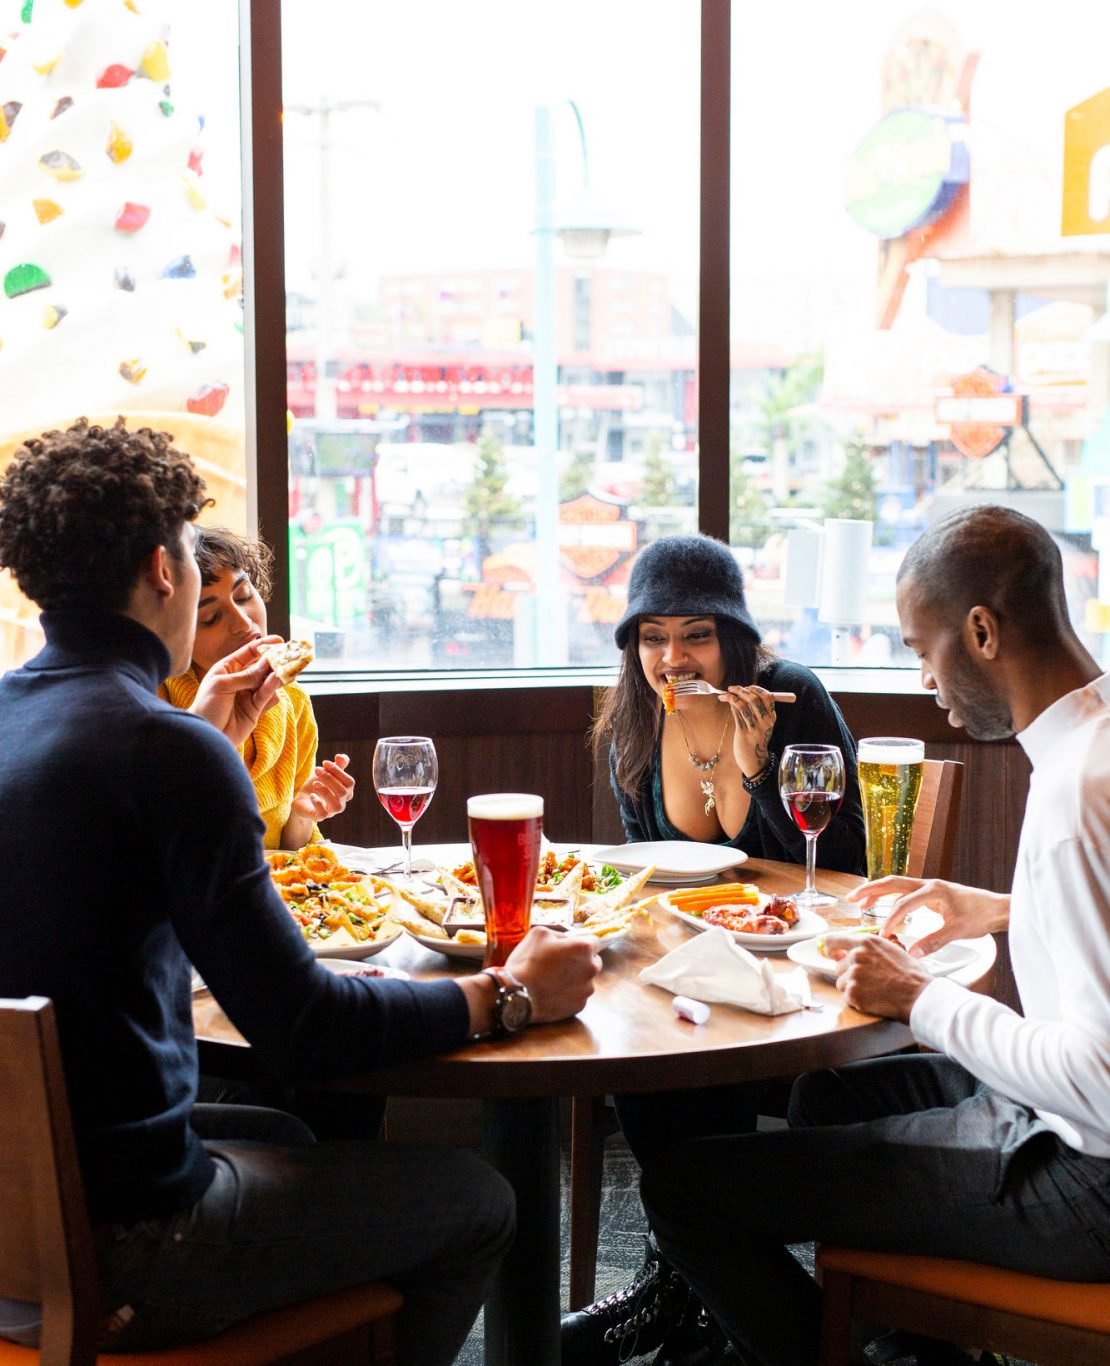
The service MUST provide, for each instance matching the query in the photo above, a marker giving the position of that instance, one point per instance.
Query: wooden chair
(932, 850)
(1055, 1323)
(46, 1246)
(933, 842)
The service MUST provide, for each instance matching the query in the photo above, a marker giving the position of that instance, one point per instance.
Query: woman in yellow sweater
(294, 793)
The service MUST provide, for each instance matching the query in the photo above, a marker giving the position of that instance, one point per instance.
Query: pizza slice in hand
(288, 658)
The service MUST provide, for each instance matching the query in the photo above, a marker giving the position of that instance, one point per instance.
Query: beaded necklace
(705, 765)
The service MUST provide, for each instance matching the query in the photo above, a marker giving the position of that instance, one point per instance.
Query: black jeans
(908, 1153)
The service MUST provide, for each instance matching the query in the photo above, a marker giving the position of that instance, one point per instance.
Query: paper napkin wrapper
(713, 967)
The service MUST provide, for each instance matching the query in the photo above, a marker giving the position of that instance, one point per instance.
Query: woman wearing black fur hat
(708, 771)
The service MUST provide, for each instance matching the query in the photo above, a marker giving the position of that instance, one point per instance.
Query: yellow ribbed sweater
(280, 753)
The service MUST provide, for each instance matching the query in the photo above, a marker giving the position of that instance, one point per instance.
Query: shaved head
(994, 557)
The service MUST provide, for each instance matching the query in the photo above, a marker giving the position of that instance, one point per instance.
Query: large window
(492, 271)
(920, 261)
(120, 276)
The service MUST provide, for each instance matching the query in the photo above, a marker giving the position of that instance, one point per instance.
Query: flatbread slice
(288, 658)
(597, 906)
(411, 919)
(431, 908)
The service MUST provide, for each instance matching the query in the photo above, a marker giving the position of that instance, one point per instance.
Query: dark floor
(621, 1245)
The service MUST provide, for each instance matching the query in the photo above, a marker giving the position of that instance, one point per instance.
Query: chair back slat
(46, 1251)
(933, 841)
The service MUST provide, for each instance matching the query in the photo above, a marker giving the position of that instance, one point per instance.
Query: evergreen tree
(487, 507)
(659, 490)
(853, 492)
(578, 474)
(748, 523)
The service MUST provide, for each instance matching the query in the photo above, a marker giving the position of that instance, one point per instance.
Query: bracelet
(750, 784)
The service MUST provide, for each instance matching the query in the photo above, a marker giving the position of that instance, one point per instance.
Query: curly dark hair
(218, 548)
(80, 511)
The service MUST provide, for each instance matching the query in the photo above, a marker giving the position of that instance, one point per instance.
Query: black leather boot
(631, 1321)
(695, 1340)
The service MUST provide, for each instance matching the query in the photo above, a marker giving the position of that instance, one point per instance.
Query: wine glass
(406, 771)
(811, 784)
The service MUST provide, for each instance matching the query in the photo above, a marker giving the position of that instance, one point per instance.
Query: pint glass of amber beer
(890, 772)
(505, 831)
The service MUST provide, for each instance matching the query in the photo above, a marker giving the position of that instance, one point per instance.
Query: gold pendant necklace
(705, 766)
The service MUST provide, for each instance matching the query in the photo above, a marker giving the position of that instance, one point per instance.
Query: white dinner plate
(676, 861)
(452, 949)
(949, 958)
(809, 925)
(342, 968)
(387, 933)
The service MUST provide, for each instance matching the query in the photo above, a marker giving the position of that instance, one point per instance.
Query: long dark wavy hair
(629, 715)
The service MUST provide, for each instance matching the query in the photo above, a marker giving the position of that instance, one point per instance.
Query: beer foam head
(890, 750)
(505, 806)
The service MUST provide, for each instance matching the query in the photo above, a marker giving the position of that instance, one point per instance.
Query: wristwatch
(512, 1008)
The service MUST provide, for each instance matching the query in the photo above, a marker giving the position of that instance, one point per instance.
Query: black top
(769, 832)
(130, 845)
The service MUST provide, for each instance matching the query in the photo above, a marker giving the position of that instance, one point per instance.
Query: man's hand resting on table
(968, 912)
(558, 970)
(877, 976)
(236, 690)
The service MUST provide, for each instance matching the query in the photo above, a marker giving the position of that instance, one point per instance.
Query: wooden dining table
(627, 1039)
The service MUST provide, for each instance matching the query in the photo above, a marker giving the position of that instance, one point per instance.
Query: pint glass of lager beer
(890, 772)
(505, 834)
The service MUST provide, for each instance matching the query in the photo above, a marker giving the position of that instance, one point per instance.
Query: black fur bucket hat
(686, 576)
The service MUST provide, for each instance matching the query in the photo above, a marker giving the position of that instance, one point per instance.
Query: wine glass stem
(406, 845)
(811, 864)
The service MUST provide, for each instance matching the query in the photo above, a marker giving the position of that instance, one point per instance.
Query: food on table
(570, 893)
(821, 944)
(288, 658)
(329, 901)
(737, 907)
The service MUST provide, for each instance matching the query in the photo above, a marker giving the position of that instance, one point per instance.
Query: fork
(688, 687)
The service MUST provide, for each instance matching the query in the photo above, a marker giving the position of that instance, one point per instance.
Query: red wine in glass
(406, 771)
(812, 811)
(811, 785)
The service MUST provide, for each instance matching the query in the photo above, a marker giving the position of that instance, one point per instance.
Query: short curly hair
(80, 511)
(218, 548)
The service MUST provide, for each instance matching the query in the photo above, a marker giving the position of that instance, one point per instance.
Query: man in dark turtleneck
(131, 847)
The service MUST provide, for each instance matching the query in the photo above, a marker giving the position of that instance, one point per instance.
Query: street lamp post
(585, 229)
(325, 406)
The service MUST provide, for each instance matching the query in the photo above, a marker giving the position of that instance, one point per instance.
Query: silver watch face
(516, 1010)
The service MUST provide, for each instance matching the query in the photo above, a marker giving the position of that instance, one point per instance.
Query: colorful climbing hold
(208, 400)
(156, 63)
(22, 279)
(61, 165)
(66, 102)
(119, 146)
(46, 210)
(125, 279)
(8, 114)
(114, 76)
(52, 315)
(132, 370)
(181, 269)
(132, 217)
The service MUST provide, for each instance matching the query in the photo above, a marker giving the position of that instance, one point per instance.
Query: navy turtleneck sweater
(130, 846)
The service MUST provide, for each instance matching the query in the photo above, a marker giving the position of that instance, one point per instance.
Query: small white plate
(676, 861)
(345, 969)
(809, 925)
(949, 958)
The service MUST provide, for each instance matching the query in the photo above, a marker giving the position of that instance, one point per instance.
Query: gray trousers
(908, 1154)
(287, 1218)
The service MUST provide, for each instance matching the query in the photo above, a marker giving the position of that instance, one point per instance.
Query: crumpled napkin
(713, 967)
